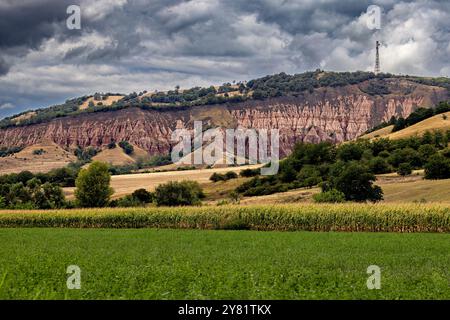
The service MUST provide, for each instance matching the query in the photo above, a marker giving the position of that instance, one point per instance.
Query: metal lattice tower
(377, 58)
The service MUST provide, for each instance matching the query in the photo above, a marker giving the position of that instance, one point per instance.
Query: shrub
(49, 196)
(247, 173)
(404, 169)
(217, 177)
(142, 195)
(38, 152)
(231, 175)
(426, 151)
(235, 197)
(438, 167)
(182, 193)
(126, 202)
(223, 177)
(111, 145)
(350, 151)
(126, 146)
(4, 151)
(85, 154)
(92, 186)
(379, 165)
(333, 196)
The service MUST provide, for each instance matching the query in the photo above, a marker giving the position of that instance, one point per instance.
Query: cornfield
(292, 217)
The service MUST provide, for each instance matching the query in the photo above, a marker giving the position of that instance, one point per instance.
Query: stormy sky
(134, 45)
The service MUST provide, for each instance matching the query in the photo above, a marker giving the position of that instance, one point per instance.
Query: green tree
(48, 196)
(379, 165)
(92, 186)
(426, 151)
(181, 193)
(356, 182)
(437, 167)
(350, 151)
(404, 169)
(142, 195)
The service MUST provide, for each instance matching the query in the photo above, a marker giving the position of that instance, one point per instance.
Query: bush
(92, 186)
(31, 194)
(111, 145)
(438, 167)
(142, 195)
(404, 169)
(247, 173)
(231, 175)
(426, 151)
(126, 202)
(182, 193)
(4, 151)
(350, 151)
(38, 152)
(333, 196)
(126, 146)
(379, 165)
(85, 154)
(215, 177)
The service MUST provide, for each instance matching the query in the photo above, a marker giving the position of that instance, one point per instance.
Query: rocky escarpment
(325, 114)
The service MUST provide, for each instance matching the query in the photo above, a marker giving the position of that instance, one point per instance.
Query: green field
(207, 264)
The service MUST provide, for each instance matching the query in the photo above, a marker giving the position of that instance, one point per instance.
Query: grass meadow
(228, 252)
(211, 264)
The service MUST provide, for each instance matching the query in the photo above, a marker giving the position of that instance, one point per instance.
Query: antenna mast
(377, 59)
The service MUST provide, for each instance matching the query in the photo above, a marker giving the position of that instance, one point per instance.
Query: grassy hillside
(437, 122)
(107, 101)
(188, 264)
(41, 157)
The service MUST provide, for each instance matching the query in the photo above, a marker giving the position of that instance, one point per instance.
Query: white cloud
(7, 106)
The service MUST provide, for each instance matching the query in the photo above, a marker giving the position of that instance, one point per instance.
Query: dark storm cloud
(128, 45)
(4, 67)
(28, 23)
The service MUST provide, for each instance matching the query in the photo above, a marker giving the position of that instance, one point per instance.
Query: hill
(40, 157)
(117, 156)
(437, 122)
(309, 107)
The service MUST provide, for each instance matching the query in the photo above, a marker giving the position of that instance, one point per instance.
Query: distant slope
(378, 133)
(437, 122)
(117, 157)
(109, 100)
(50, 156)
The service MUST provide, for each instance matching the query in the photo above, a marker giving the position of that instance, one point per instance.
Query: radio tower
(377, 58)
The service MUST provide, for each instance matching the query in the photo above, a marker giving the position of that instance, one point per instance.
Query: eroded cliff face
(327, 114)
